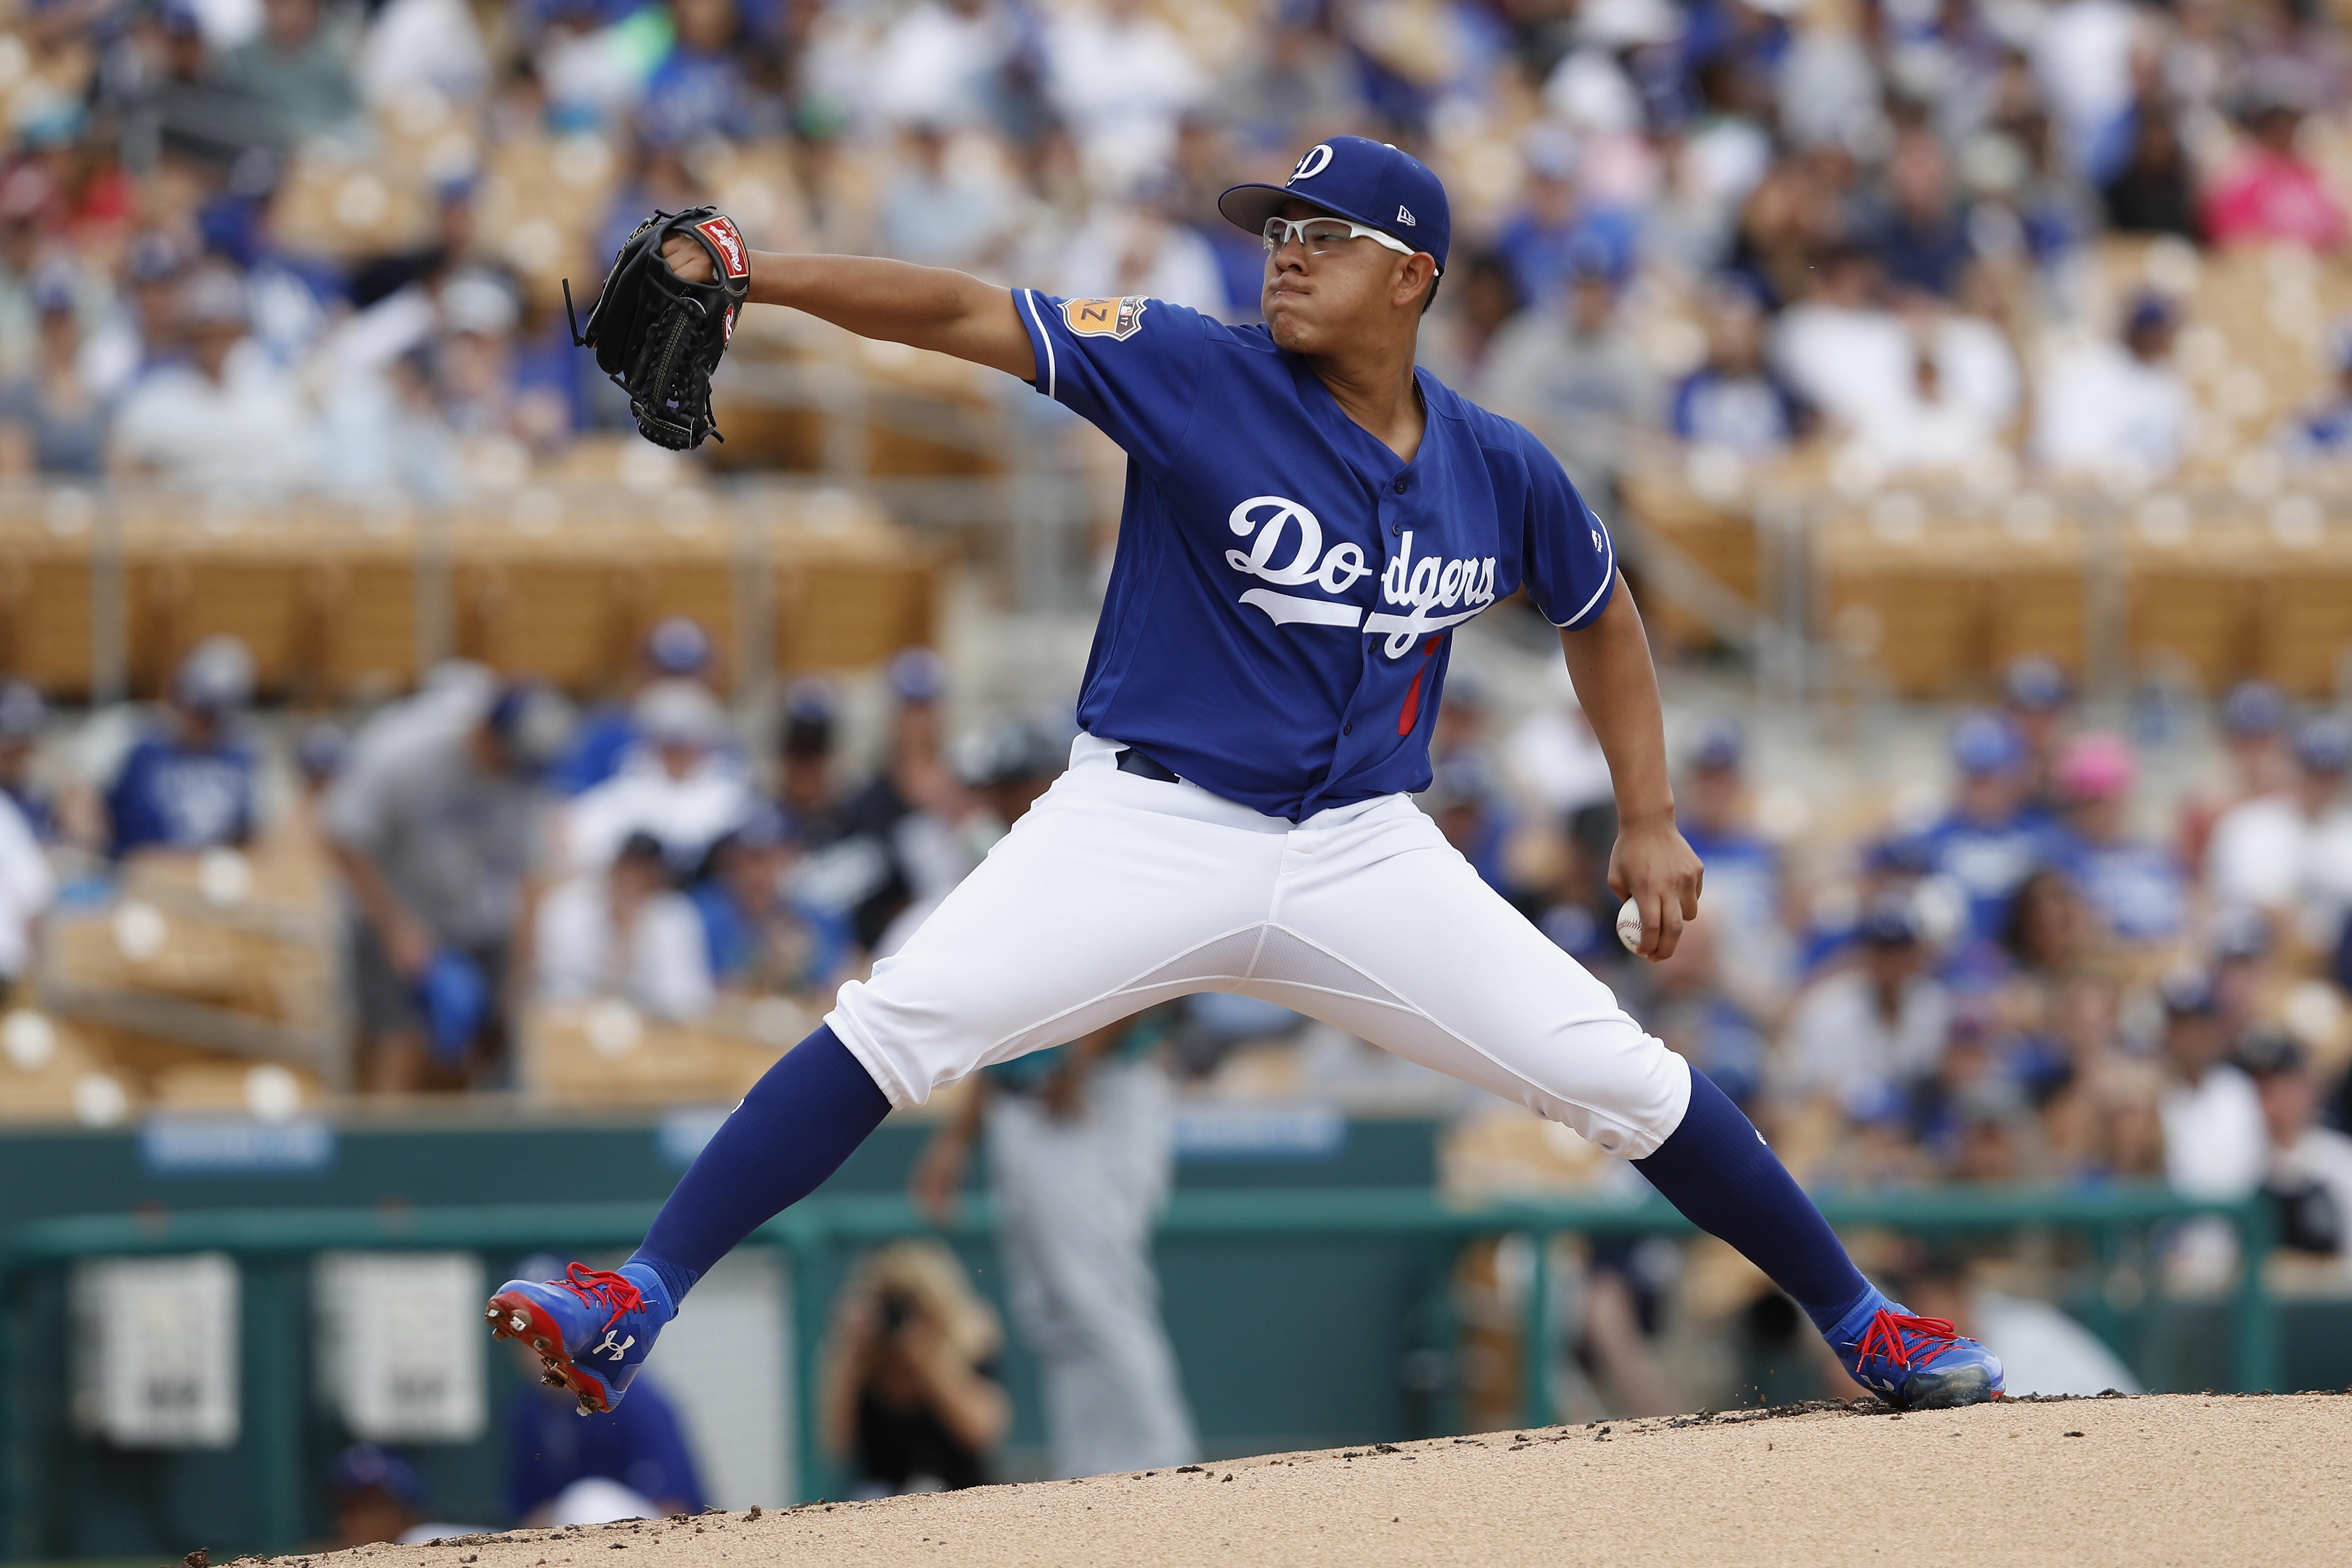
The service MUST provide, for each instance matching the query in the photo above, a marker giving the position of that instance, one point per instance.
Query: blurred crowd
(270, 245)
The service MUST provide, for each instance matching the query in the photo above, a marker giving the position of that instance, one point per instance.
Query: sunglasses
(1322, 236)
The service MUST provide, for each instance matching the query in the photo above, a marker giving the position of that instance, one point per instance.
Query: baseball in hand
(1629, 925)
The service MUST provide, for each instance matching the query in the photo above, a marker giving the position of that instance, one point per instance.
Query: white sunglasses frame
(1293, 229)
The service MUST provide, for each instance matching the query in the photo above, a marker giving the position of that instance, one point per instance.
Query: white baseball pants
(1116, 891)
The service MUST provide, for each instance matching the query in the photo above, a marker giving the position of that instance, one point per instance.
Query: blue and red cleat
(1917, 1363)
(591, 1328)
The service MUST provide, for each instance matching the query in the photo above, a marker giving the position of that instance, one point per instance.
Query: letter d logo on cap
(1317, 159)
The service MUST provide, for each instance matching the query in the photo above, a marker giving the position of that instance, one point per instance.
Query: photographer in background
(911, 1400)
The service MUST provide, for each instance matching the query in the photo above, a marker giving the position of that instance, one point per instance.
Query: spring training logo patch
(1118, 320)
(1431, 582)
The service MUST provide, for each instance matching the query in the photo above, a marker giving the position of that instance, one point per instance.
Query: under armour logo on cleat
(617, 1350)
(1404, 217)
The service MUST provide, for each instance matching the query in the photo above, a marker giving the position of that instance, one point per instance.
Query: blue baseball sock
(792, 1130)
(1717, 1168)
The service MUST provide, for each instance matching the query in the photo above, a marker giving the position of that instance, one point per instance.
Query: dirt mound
(2178, 1479)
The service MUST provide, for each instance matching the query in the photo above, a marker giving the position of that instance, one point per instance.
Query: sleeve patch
(1118, 320)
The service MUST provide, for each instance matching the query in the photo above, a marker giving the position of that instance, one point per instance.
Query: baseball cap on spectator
(808, 720)
(214, 296)
(2241, 936)
(2253, 708)
(918, 675)
(2097, 765)
(1006, 752)
(1983, 744)
(456, 998)
(155, 257)
(1461, 781)
(1355, 177)
(1722, 745)
(22, 711)
(678, 712)
(2187, 992)
(54, 291)
(533, 724)
(2266, 1053)
(320, 748)
(2324, 745)
(2035, 684)
(364, 1467)
(474, 302)
(1889, 921)
(2148, 311)
(678, 645)
(214, 676)
(1904, 856)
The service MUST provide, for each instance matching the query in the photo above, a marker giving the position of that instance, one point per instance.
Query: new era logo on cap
(1357, 178)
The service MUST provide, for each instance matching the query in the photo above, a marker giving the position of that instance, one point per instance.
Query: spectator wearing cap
(2322, 432)
(1550, 233)
(2310, 1173)
(438, 822)
(1860, 1035)
(683, 785)
(1744, 891)
(1735, 400)
(806, 787)
(1569, 370)
(901, 819)
(2038, 702)
(762, 940)
(678, 649)
(376, 1496)
(23, 716)
(2215, 1144)
(188, 781)
(2260, 761)
(2288, 855)
(53, 422)
(625, 931)
(225, 419)
(2118, 407)
(2270, 194)
(1989, 843)
(2135, 886)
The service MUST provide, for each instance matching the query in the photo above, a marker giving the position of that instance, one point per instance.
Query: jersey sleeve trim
(1608, 581)
(1045, 340)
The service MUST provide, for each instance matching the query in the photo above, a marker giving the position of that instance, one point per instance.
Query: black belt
(1132, 760)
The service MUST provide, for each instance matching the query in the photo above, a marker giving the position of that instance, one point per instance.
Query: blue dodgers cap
(366, 1467)
(2036, 683)
(2324, 745)
(1723, 744)
(2253, 708)
(1355, 177)
(678, 645)
(1983, 744)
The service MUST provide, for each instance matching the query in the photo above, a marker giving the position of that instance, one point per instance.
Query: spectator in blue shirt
(762, 941)
(676, 648)
(2038, 702)
(188, 783)
(1743, 871)
(1734, 400)
(2137, 888)
(1989, 843)
(1552, 230)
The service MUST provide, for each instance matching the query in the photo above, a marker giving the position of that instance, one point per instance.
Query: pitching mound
(2180, 1479)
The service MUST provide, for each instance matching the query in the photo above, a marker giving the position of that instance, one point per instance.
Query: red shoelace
(1885, 1336)
(604, 1286)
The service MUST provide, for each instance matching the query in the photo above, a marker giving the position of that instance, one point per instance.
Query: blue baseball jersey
(1276, 624)
(183, 797)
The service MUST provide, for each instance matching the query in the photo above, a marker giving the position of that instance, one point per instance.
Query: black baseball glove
(660, 337)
